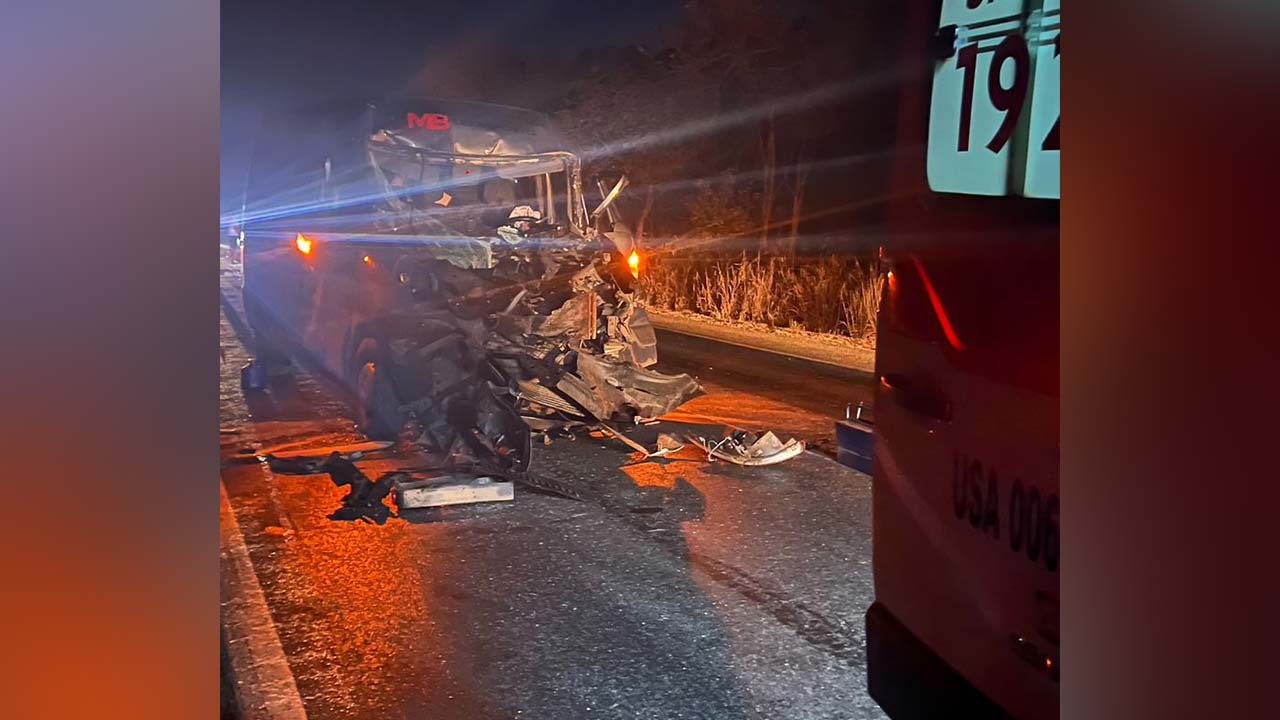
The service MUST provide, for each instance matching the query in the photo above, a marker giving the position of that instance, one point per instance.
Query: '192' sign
(995, 111)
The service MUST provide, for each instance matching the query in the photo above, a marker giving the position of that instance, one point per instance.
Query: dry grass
(828, 295)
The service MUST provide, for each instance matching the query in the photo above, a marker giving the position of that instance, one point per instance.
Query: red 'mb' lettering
(429, 121)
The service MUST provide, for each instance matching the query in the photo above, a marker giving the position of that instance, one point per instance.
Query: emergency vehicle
(966, 498)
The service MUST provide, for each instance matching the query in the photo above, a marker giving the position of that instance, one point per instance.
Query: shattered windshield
(440, 192)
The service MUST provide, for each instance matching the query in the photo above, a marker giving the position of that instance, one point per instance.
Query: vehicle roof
(481, 128)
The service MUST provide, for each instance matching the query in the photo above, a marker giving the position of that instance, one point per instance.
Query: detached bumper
(911, 682)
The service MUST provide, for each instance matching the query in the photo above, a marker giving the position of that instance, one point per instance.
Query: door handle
(917, 397)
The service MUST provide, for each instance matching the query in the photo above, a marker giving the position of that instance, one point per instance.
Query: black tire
(376, 404)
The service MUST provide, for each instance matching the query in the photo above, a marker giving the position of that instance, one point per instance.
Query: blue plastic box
(854, 440)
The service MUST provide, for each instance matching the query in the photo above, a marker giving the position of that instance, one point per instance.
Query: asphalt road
(800, 397)
(674, 589)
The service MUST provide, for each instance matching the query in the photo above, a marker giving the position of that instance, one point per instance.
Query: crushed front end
(559, 329)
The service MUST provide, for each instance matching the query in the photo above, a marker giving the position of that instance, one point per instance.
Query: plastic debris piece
(743, 448)
(294, 466)
(364, 502)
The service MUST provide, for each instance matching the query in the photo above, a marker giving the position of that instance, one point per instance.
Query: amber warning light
(303, 245)
(634, 263)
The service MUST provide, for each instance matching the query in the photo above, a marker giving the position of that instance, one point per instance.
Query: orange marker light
(367, 260)
(303, 244)
(634, 262)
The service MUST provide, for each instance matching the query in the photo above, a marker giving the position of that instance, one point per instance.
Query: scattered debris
(296, 466)
(364, 501)
(550, 487)
(547, 338)
(491, 322)
(304, 462)
(298, 449)
(246, 454)
(744, 448)
(277, 531)
(449, 490)
(365, 493)
(667, 441)
(667, 444)
(628, 441)
(308, 458)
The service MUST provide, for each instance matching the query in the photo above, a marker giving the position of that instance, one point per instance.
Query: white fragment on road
(435, 492)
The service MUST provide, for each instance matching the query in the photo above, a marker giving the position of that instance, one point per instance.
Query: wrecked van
(438, 262)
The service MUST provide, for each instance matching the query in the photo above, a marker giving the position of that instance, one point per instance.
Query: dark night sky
(285, 52)
(274, 51)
